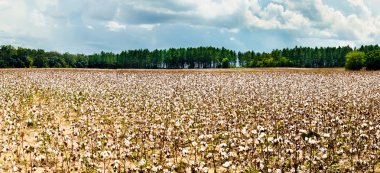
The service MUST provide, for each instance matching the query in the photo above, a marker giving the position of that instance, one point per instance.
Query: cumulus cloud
(114, 25)
(275, 16)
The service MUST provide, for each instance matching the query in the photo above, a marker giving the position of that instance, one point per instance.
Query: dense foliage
(297, 57)
(373, 60)
(355, 60)
(200, 57)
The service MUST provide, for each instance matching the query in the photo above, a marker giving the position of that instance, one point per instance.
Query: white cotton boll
(127, 142)
(352, 150)
(177, 123)
(262, 166)
(202, 164)
(49, 150)
(224, 155)
(261, 135)
(326, 135)
(268, 149)
(151, 137)
(205, 170)
(185, 152)
(232, 154)
(201, 137)
(142, 162)
(5, 148)
(40, 158)
(38, 144)
(154, 169)
(194, 144)
(312, 141)
(227, 164)
(105, 154)
(209, 155)
(15, 169)
(241, 148)
(116, 163)
(169, 164)
(324, 156)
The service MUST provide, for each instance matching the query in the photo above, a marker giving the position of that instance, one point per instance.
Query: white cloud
(275, 16)
(234, 30)
(149, 27)
(374, 6)
(318, 20)
(364, 11)
(67, 24)
(211, 9)
(255, 21)
(38, 18)
(115, 26)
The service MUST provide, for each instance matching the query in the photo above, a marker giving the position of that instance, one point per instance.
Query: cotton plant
(178, 121)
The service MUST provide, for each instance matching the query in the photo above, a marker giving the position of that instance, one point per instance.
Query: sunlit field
(237, 120)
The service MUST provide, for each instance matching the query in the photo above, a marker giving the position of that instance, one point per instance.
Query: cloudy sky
(88, 26)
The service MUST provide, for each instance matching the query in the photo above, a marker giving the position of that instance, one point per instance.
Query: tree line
(200, 57)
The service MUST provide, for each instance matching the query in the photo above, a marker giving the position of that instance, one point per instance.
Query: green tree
(225, 63)
(81, 61)
(41, 62)
(373, 60)
(355, 60)
(28, 61)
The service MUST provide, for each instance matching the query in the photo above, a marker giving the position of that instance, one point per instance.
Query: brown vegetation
(268, 120)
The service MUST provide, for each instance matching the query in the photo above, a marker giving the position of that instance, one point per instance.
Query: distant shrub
(373, 60)
(355, 60)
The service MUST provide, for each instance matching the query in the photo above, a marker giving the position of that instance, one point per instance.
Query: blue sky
(88, 26)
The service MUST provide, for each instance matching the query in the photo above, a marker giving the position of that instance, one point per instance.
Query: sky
(90, 26)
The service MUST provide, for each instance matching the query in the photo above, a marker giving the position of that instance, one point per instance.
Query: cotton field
(189, 121)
